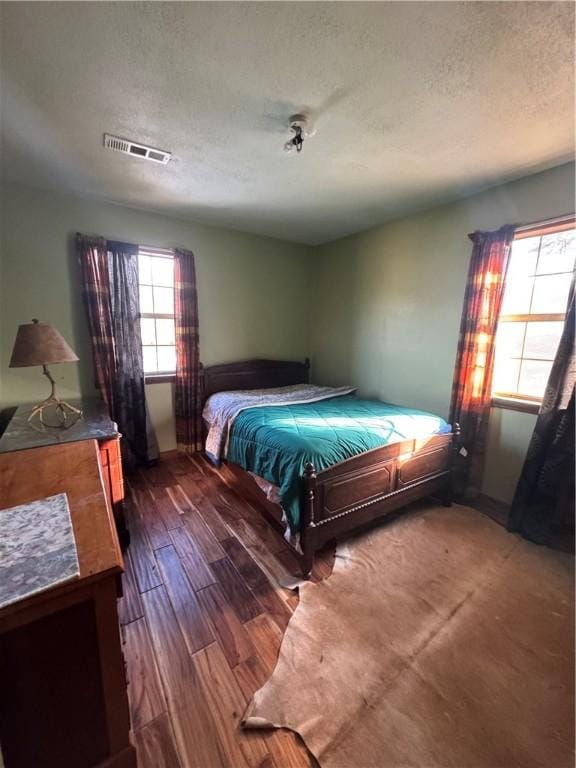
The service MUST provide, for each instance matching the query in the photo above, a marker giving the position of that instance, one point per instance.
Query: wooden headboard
(253, 374)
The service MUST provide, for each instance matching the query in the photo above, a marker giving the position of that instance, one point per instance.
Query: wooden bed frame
(354, 492)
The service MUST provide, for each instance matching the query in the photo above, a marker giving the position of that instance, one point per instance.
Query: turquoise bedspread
(276, 442)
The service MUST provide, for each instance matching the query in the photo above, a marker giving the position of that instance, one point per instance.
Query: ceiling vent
(136, 150)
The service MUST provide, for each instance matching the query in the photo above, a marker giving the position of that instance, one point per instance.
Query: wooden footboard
(367, 487)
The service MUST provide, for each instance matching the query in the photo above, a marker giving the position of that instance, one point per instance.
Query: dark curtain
(472, 384)
(110, 291)
(187, 391)
(543, 505)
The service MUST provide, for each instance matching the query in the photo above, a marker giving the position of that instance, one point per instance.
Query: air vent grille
(136, 150)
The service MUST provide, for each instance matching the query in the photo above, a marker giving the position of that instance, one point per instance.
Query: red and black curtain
(188, 388)
(109, 272)
(471, 389)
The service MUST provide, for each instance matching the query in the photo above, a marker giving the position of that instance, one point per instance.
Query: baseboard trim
(494, 508)
(172, 454)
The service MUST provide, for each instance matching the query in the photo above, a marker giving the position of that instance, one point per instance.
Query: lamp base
(66, 415)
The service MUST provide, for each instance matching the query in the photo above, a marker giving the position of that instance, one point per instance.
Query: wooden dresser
(63, 700)
(95, 424)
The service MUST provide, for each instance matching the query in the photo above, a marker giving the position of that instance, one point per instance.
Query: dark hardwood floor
(203, 617)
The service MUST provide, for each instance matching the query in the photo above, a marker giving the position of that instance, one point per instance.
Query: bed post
(448, 495)
(308, 518)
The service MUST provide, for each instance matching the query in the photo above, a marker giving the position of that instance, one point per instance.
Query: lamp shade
(40, 344)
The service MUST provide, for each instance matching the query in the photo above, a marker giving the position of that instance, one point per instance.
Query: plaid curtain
(93, 260)
(110, 291)
(543, 505)
(471, 388)
(187, 391)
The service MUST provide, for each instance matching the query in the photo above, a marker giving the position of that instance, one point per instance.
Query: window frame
(512, 400)
(159, 377)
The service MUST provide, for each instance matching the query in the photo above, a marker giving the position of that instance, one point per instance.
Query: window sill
(159, 378)
(515, 404)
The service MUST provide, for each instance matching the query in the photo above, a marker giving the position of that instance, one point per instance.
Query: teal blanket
(276, 442)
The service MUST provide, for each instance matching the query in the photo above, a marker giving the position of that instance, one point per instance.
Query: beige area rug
(439, 640)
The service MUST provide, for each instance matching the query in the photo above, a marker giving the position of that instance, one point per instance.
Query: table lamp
(39, 344)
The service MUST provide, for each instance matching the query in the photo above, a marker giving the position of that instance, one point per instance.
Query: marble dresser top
(37, 548)
(95, 424)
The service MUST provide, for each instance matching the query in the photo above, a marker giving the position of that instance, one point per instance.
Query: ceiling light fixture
(298, 124)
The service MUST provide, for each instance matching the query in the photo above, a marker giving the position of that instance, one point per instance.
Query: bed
(328, 486)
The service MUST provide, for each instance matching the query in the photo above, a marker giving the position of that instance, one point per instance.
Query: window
(533, 309)
(156, 282)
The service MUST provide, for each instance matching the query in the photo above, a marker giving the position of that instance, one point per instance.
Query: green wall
(380, 309)
(253, 292)
(390, 301)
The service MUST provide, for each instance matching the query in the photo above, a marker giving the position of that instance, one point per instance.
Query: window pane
(163, 301)
(542, 340)
(557, 252)
(533, 377)
(149, 356)
(147, 331)
(509, 339)
(517, 293)
(146, 299)
(163, 271)
(550, 294)
(144, 270)
(165, 332)
(523, 257)
(505, 377)
(167, 359)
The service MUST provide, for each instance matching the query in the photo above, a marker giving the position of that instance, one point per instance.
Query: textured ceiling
(414, 104)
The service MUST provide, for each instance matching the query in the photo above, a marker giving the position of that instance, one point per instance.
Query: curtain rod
(147, 248)
(546, 222)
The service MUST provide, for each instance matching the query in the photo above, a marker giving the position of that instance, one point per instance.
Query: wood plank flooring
(202, 618)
